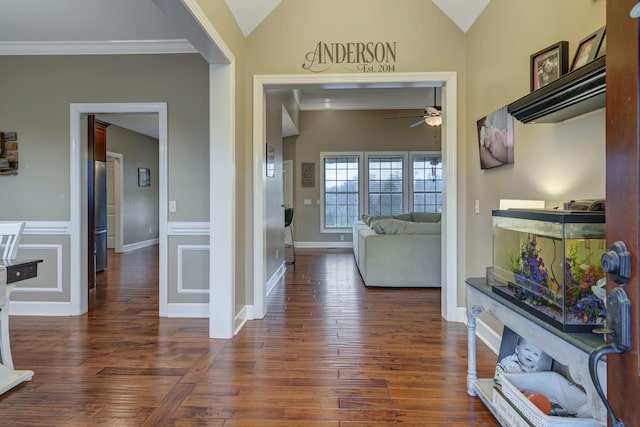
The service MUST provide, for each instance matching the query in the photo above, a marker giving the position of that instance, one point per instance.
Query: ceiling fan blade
(418, 123)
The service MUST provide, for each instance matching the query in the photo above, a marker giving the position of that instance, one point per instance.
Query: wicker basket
(555, 387)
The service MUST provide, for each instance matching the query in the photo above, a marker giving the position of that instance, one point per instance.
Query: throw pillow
(391, 226)
(426, 216)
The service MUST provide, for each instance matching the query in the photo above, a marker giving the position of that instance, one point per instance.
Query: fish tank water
(548, 263)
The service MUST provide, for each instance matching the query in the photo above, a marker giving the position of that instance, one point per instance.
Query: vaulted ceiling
(139, 26)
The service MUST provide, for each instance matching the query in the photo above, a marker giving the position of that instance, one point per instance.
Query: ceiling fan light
(433, 120)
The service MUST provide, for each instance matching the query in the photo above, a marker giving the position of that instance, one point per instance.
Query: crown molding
(112, 47)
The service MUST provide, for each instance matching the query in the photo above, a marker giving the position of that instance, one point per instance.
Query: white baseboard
(322, 245)
(196, 310)
(32, 308)
(139, 245)
(488, 336)
(240, 319)
(273, 281)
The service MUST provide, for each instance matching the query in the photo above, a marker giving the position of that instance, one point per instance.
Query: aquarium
(548, 262)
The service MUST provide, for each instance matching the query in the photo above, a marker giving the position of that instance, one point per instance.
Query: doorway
(450, 240)
(115, 166)
(79, 226)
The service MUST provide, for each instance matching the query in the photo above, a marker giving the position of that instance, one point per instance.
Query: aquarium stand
(569, 349)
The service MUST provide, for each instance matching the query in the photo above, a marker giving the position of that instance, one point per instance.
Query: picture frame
(588, 49)
(519, 355)
(271, 161)
(144, 177)
(308, 174)
(549, 64)
(495, 139)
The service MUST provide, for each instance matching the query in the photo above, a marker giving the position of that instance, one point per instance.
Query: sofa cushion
(426, 216)
(369, 219)
(396, 226)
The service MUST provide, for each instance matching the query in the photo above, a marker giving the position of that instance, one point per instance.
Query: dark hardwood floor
(330, 352)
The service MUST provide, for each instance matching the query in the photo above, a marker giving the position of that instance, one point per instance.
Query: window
(385, 184)
(426, 185)
(341, 191)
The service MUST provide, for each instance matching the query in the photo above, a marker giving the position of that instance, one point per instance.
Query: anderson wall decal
(364, 57)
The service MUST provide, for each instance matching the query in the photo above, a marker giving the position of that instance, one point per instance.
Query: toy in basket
(565, 397)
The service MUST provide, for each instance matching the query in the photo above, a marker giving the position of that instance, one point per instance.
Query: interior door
(623, 188)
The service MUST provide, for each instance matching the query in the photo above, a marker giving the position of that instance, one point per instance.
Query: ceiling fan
(431, 116)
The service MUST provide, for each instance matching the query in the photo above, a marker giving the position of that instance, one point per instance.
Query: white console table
(12, 271)
(571, 350)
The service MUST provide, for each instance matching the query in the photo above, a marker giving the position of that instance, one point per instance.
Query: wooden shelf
(572, 95)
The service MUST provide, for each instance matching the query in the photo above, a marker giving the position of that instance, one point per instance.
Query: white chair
(10, 234)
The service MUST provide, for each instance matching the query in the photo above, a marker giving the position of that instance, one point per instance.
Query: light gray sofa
(408, 255)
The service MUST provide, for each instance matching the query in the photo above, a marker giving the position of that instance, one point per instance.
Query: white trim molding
(78, 250)
(194, 310)
(324, 245)
(181, 289)
(40, 308)
(186, 228)
(111, 47)
(53, 228)
(451, 239)
(139, 245)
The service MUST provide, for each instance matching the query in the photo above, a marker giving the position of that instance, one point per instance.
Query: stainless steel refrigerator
(100, 216)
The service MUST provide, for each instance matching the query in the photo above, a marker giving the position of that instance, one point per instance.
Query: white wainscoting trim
(58, 285)
(47, 227)
(195, 228)
(195, 310)
(181, 288)
(326, 245)
(40, 308)
(139, 245)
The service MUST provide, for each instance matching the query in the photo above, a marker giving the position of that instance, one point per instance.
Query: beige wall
(140, 219)
(552, 162)
(348, 131)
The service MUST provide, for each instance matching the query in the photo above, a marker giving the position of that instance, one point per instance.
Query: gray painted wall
(41, 88)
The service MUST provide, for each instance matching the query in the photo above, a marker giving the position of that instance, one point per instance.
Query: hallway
(330, 352)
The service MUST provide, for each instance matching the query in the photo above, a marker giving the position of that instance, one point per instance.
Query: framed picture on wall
(495, 139)
(144, 177)
(308, 174)
(271, 161)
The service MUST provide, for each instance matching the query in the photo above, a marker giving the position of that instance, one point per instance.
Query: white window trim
(410, 184)
(405, 175)
(333, 154)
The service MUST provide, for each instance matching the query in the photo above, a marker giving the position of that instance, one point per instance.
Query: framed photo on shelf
(549, 64)
(588, 49)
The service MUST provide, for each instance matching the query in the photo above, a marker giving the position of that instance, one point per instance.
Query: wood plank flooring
(330, 352)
